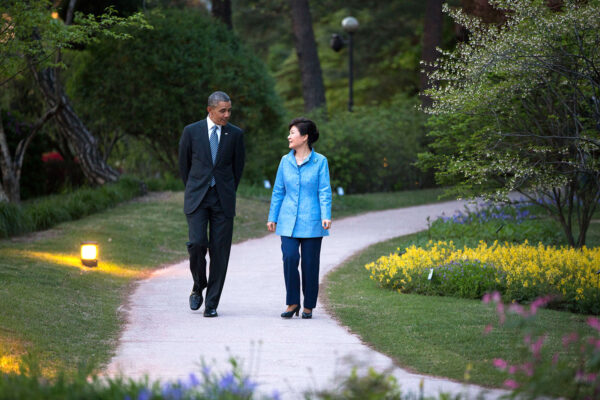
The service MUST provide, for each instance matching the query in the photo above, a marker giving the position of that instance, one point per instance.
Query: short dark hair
(306, 127)
(216, 97)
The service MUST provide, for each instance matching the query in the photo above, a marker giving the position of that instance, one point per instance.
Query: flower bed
(521, 272)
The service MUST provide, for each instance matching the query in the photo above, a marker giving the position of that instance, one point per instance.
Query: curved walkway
(164, 339)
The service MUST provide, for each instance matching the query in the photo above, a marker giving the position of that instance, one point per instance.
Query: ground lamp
(89, 254)
(350, 25)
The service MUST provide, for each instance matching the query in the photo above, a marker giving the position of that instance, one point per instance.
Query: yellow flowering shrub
(519, 271)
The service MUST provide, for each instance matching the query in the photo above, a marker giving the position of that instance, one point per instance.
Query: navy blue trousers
(311, 255)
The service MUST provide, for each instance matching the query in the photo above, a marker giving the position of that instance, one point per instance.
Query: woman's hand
(271, 226)
(326, 223)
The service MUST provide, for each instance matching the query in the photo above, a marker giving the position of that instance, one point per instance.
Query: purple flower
(227, 381)
(193, 380)
(511, 384)
(249, 385)
(144, 394)
(500, 363)
(171, 391)
(594, 323)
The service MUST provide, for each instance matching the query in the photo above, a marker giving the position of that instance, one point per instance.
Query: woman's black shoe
(306, 315)
(290, 314)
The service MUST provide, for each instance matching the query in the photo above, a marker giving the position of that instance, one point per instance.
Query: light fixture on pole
(89, 254)
(350, 25)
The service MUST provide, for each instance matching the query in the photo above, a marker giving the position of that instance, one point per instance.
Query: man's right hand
(271, 226)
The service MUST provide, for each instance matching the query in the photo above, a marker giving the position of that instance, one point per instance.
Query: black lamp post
(350, 25)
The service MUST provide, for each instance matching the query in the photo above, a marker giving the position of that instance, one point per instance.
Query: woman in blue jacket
(301, 214)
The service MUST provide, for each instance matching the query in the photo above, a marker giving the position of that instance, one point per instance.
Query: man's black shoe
(210, 312)
(195, 300)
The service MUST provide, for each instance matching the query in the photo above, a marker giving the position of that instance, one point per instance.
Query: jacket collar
(290, 156)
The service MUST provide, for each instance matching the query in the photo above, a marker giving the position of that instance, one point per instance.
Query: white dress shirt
(210, 124)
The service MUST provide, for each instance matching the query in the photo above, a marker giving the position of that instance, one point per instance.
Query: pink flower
(491, 297)
(511, 384)
(539, 303)
(513, 369)
(527, 368)
(536, 347)
(570, 338)
(555, 359)
(487, 329)
(500, 363)
(517, 309)
(500, 312)
(594, 323)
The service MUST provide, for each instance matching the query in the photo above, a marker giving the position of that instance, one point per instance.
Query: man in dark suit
(211, 161)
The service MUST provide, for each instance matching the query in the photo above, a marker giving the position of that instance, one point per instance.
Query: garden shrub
(45, 212)
(373, 149)
(520, 271)
(511, 223)
(13, 220)
(153, 85)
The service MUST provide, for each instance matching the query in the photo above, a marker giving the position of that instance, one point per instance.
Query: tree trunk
(81, 141)
(9, 187)
(221, 9)
(432, 38)
(313, 90)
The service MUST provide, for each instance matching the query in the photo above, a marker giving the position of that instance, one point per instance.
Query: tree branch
(22, 146)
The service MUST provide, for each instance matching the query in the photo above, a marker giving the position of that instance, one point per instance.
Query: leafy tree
(518, 109)
(387, 47)
(374, 148)
(153, 85)
(31, 37)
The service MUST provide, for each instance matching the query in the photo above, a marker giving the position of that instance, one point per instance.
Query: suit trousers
(209, 230)
(311, 255)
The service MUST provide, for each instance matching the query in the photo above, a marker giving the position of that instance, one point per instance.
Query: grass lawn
(64, 314)
(435, 335)
(343, 206)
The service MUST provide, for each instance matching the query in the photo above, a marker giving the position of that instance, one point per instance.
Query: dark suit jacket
(196, 166)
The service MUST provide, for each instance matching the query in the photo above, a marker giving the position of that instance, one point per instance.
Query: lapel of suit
(225, 137)
(203, 132)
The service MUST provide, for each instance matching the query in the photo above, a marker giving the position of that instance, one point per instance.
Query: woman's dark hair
(306, 127)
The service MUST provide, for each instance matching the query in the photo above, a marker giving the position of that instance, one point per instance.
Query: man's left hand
(326, 223)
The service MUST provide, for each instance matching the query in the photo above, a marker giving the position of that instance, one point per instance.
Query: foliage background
(152, 86)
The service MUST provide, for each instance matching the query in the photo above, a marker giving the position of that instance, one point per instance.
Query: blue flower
(193, 380)
(171, 391)
(144, 394)
(227, 382)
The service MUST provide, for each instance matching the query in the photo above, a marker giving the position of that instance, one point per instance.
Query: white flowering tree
(517, 108)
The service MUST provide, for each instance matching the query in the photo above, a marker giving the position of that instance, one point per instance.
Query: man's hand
(271, 226)
(326, 223)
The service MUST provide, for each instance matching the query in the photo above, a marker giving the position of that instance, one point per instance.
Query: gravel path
(164, 339)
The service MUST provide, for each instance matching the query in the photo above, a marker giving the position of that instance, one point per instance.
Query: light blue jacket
(301, 196)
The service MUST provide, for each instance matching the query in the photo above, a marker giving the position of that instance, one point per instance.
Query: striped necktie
(214, 146)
